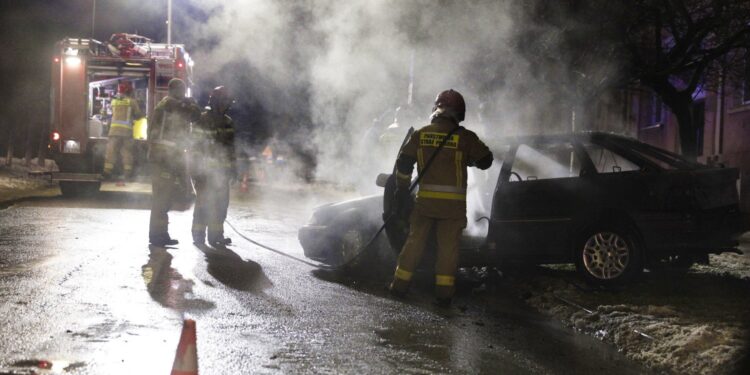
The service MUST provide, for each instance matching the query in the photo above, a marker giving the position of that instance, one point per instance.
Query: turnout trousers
(121, 146)
(211, 205)
(169, 186)
(448, 233)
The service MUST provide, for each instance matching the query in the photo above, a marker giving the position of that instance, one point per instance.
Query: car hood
(369, 207)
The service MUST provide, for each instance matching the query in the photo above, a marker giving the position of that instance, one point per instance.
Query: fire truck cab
(85, 75)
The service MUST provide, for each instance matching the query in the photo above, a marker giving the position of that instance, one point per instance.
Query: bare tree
(678, 47)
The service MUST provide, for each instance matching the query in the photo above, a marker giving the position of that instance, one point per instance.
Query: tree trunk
(43, 142)
(9, 153)
(687, 128)
(29, 141)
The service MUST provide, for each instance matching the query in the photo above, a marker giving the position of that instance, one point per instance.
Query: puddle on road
(419, 349)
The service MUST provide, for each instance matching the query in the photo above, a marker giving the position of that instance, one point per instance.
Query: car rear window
(608, 161)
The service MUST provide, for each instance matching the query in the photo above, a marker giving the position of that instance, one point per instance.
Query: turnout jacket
(213, 143)
(442, 189)
(169, 132)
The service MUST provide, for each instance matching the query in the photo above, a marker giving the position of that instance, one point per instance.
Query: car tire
(608, 255)
(374, 261)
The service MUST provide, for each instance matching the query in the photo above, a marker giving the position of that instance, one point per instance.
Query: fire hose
(362, 249)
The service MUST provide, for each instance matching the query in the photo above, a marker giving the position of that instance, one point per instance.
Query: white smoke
(344, 63)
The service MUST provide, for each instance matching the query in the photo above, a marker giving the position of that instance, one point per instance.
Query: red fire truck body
(85, 75)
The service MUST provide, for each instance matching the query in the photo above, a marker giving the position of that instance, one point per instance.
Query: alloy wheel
(606, 255)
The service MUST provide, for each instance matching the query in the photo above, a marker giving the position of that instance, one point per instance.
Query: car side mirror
(382, 179)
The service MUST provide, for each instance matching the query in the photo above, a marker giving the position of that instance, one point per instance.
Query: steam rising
(335, 66)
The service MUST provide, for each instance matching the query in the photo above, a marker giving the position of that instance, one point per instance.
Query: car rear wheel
(608, 256)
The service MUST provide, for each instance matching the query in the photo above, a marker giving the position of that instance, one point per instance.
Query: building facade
(723, 135)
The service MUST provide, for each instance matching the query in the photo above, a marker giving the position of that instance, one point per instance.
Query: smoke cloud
(326, 69)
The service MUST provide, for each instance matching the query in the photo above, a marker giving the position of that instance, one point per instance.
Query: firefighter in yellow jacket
(125, 110)
(441, 199)
(169, 139)
(213, 166)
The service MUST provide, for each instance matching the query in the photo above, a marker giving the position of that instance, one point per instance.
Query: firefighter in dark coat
(213, 166)
(169, 139)
(441, 200)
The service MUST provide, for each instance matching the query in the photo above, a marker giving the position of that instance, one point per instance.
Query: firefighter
(441, 199)
(213, 166)
(125, 110)
(169, 138)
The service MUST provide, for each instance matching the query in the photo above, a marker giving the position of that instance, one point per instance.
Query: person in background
(125, 110)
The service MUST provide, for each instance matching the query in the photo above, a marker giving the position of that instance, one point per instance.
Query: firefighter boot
(199, 237)
(163, 240)
(219, 241)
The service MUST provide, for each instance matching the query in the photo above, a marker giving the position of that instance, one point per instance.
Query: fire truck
(85, 76)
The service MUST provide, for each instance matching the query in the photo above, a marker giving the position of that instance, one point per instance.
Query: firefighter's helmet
(177, 88)
(220, 99)
(124, 88)
(452, 103)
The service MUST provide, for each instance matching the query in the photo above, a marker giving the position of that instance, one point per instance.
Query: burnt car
(607, 203)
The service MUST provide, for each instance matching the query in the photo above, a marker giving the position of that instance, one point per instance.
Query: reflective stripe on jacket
(442, 189)
(122, 113)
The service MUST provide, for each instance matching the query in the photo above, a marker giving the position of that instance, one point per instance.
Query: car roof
(617, 140)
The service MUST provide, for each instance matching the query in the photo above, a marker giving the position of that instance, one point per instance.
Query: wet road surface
(80, 287)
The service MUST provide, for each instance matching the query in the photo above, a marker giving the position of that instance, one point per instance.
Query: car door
(537, 196)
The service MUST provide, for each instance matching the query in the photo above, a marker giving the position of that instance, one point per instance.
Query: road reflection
(167, 286)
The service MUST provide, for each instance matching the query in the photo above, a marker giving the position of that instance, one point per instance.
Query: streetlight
(169, 22)
(93, 17)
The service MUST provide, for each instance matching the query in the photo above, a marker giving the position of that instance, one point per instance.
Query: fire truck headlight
(72, 61)
(72, 147)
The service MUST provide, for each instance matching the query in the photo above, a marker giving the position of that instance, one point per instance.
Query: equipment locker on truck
(85, 75)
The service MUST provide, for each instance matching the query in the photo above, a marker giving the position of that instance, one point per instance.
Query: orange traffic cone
(186, 358)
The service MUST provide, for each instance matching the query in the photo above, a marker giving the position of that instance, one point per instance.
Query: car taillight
(55, 136)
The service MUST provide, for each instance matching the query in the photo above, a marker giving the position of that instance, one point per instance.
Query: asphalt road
(81, 288)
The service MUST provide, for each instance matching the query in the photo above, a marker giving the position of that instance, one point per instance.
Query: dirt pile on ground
(693, 322)
(15, 181)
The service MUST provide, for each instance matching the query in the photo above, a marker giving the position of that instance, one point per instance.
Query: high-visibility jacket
(442, 189)
(124, 111)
